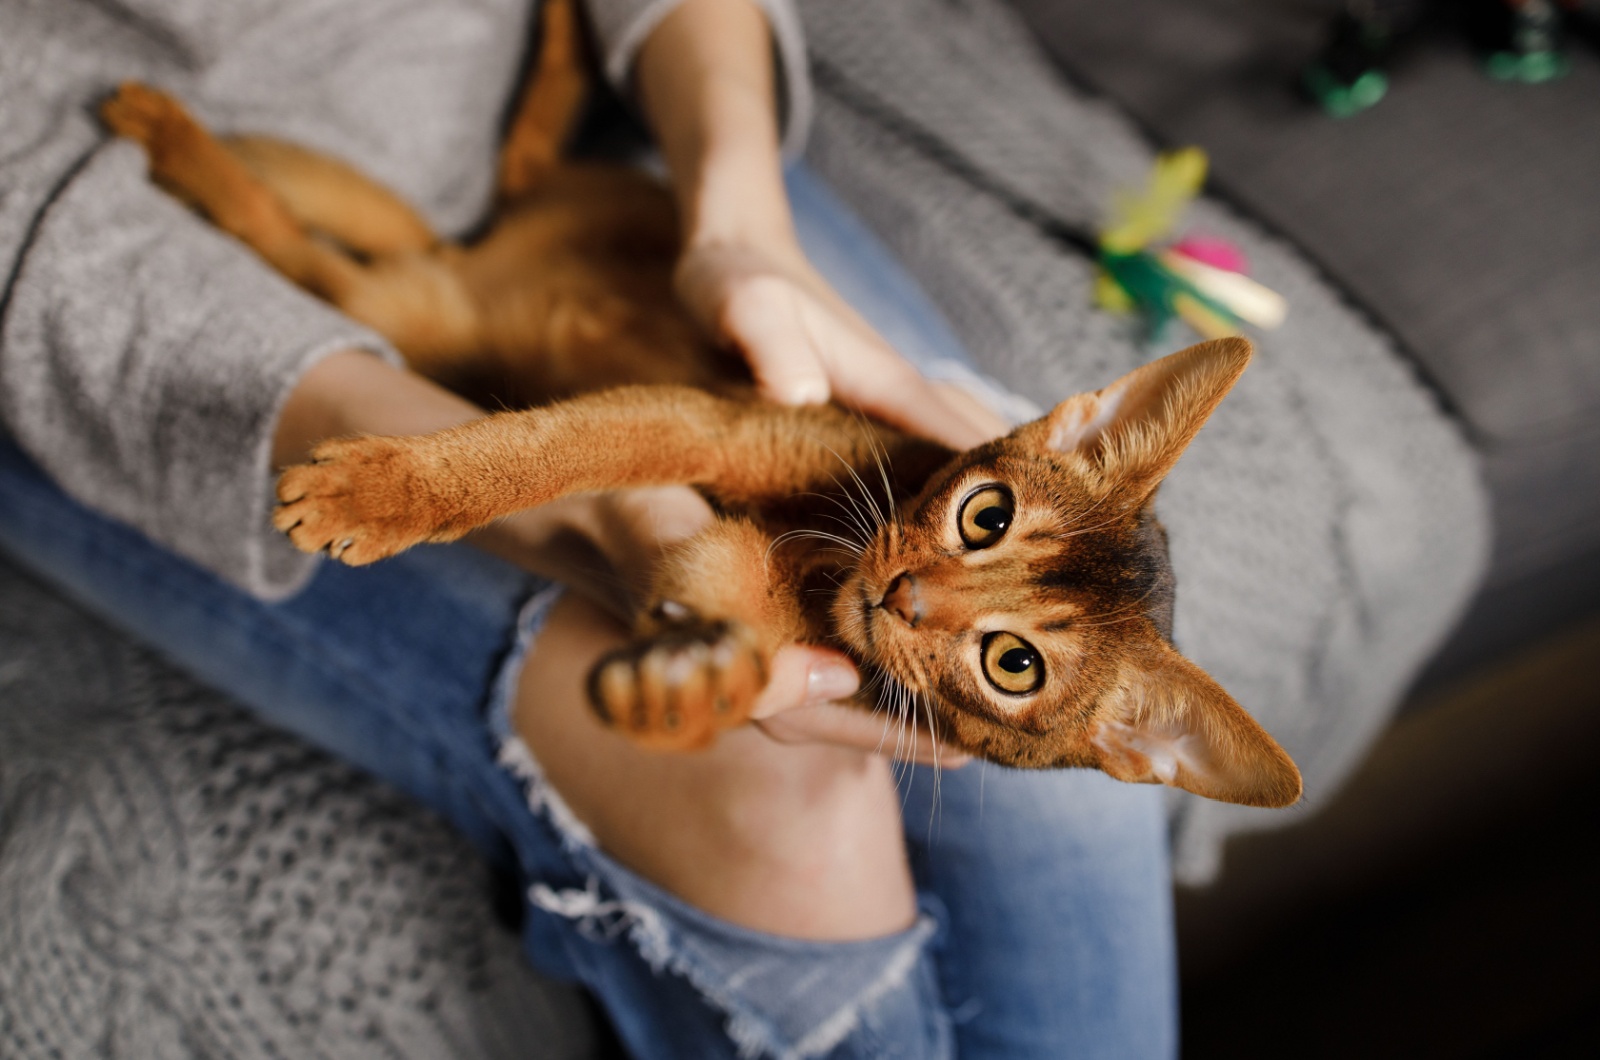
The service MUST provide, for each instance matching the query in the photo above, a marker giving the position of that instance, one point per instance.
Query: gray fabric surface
(177, 880)
(1462, 210)
(1327, 525)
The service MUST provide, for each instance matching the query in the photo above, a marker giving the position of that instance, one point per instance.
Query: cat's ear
(1167, 722)
(1133, 431)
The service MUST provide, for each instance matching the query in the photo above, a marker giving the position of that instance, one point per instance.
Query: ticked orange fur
(1016, 593)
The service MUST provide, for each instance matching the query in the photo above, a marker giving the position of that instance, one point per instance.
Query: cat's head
(1025, 594)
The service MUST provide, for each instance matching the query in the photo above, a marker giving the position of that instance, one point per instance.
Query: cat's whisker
(1073, 530)
(850, 517)
(880, 457)
(891, 701)
(868, 517)
(1129, 611)
(1086, 530)
(938, 771)
(849, 547)
(849, 524)
(908, 766)
(879, 683)
(862, 486)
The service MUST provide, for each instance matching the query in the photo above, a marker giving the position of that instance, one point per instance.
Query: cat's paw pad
(359, 500)
(676, 690)
(145, 115)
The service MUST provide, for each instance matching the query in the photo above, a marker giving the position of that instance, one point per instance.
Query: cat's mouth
(883, 642)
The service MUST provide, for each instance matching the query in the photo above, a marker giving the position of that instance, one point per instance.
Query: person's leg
(385, 669)
(1059, 938)
(1058, 900)
(817, 948)
(410, 668)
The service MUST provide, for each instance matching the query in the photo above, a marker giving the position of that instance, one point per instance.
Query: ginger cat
(1017, 593)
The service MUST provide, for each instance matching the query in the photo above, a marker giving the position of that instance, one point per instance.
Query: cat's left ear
(1167, 722)
(1132, 432)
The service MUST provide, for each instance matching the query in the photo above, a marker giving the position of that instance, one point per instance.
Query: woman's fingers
(800, 705)
(803, 675)
(771, 322)
(852, 727)
(898, 394)
(805, 345)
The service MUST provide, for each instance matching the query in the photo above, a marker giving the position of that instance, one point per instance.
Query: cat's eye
(1011, 664)
(985, 516)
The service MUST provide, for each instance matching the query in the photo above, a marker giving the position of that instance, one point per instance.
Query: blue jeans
(1046, 917)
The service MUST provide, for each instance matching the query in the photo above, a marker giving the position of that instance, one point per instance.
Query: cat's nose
(903, 600)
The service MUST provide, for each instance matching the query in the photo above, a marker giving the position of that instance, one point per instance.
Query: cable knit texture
(177, 880)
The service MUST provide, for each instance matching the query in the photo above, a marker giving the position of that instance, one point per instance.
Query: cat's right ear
(1165, 721)
(1132, 432)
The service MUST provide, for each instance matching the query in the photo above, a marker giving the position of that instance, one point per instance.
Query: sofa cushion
(1461, 212)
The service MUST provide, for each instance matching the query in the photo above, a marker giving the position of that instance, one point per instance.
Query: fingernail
(804, 392)
(830, 681)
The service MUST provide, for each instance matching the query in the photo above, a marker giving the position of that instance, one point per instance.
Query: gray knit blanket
(177, 880)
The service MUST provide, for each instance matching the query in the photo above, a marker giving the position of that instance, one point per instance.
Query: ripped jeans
(1046, 916)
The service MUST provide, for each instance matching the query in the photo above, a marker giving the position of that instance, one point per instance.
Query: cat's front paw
(677, 689)
(359, 500)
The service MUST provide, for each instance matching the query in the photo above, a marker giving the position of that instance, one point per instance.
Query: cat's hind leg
(193, 166)
(416, 300)
(333, 199)
(719, 611)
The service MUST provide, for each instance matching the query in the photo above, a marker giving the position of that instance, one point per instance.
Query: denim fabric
(1046, 927)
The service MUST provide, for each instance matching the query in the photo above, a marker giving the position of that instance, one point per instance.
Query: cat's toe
(357, 501)
(677, 690)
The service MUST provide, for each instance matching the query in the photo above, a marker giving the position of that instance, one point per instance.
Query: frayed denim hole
(513, 754)
(657, 933)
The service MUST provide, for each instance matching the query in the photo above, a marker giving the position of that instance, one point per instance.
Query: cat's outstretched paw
(359, 500)
(675, 691)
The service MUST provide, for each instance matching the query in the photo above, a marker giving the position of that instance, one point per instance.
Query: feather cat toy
(1017, 593)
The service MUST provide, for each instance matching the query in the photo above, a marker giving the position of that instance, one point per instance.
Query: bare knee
(803, 842)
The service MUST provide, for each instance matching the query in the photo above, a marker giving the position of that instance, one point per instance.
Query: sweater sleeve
(623, 25)
(143, 355)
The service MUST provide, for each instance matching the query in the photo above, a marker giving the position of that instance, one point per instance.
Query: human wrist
(705, 79)
(731, 193)
(353, 391)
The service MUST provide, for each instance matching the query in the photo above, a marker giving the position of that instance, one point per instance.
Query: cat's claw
(678, 689)
(359, 500)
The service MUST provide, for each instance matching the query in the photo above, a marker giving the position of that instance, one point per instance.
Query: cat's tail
(550, 104)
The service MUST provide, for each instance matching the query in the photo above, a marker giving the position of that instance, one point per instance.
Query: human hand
(806, 345)
(803, 703)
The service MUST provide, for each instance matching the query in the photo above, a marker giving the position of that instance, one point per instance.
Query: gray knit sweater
(143, 356)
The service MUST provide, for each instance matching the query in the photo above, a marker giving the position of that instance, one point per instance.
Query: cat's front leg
(719, 611)
(362, 499)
